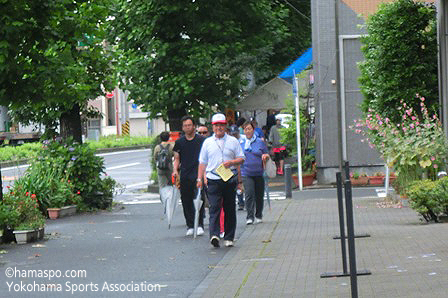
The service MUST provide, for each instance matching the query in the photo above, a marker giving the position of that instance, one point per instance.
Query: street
(131, 244)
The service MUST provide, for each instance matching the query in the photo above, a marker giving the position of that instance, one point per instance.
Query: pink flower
(422, 99)
(433, 158)
(404, 129)
(387, 120)
(435, 166)
(412, 125)
(413, 117)
(417, 123)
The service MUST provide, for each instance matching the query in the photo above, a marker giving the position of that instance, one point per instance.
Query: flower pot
(376, 180)
(25, 236)
(53, 213)
(307, 179)
(360, 181)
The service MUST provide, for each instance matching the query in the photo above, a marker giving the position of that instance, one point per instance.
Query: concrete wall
(324, 59)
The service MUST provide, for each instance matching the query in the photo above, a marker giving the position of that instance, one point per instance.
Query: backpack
(163, 159)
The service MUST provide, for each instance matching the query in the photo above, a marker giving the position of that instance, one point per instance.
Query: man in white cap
(220, 149)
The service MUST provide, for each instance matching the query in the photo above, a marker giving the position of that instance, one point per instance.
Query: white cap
(219, 118)
(277, 117)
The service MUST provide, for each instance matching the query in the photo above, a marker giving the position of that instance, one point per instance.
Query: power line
(298, 11)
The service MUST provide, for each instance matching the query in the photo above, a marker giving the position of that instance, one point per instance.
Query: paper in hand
(224, 172)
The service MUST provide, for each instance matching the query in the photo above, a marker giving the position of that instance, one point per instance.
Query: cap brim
(219, 122)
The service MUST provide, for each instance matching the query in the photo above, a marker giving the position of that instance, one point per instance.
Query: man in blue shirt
(220, 149)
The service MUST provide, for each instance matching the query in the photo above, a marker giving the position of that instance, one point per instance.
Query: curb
(5, 164)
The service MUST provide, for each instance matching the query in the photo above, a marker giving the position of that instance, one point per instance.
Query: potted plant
(308, 171)
(28, 222)
(359, 179)
(376, 179)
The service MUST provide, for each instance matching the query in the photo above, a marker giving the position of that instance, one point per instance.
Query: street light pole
(338, 86)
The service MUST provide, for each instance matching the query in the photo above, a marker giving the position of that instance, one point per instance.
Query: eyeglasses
(203, 132)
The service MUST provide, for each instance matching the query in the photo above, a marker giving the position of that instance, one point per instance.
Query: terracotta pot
(360, 181)
(376, 180)
(307, 179)
(53, 213)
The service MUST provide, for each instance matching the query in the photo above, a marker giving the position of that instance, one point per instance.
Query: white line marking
(122, 152)
(123, 166)
(16, 167)
(139, 202)
(137, 184)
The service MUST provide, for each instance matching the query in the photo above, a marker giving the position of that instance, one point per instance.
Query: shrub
(429, 198)
(27, 215)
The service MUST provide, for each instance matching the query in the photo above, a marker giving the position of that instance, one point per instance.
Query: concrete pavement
(285, 255)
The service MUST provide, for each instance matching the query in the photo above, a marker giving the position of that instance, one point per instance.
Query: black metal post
(341, 222)
(288, 177)
(347, 170)
(351, 239)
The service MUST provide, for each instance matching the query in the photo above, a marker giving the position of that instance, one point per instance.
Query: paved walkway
(285, 255)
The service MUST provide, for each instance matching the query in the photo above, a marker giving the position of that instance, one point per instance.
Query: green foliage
(8, 215)
(24, 213)
(193, 56)
(27, 150)
(32, 150)
(43, 71)
(119, 141)
(289, 136)
(400, 53)
(416, 147)
(429, 198)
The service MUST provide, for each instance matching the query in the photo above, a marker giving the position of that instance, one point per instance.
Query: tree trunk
(71, 124)
(174, 117)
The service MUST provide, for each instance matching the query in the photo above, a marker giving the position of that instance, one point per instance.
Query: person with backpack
(186, 159)
(163, 157)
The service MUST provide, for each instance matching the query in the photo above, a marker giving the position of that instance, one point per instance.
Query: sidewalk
(285, 255)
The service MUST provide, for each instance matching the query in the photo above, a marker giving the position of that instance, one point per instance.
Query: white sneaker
(228, 243)
(258, 220)
(190, 232)
(249, 221)
(200, 231)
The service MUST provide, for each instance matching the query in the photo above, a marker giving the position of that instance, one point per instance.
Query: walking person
(256, 153)
(277, 147)
(235, 132)
(186, 156)
(163, 157)
(222, 150)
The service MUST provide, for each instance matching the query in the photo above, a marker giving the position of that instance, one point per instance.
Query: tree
(179, 57)
(400, 53)
(45, 74)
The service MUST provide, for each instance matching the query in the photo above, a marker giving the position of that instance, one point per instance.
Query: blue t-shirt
(253, 164)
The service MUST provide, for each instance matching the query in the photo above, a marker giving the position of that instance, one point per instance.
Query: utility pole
(338, 86)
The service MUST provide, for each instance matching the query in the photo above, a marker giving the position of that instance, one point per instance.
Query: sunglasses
(203, 132)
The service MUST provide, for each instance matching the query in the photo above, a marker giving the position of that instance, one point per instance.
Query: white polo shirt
(215, 151)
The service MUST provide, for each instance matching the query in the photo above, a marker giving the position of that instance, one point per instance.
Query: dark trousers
(188, 191)
(254, 193)
(219, 191)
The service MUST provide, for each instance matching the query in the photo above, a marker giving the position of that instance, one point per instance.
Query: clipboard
(224, 172)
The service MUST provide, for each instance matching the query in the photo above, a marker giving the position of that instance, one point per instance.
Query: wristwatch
(198, 180)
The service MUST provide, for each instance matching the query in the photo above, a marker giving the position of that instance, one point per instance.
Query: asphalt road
(126, 246)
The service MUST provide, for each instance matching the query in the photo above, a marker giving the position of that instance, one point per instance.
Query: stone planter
(360, 181)
(376, 180)
(67, 211)
(25, 236)
(40, 233)
(54, 213)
